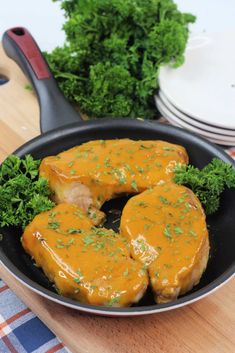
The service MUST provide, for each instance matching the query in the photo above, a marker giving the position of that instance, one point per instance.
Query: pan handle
(55, 110)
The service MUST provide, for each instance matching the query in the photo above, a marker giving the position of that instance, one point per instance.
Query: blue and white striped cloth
(20, 330)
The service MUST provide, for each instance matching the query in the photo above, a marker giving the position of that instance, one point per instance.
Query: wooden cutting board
(205, 326)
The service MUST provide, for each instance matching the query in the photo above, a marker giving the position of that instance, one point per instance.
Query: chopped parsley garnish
(167, 265)
(83, 154)
(178, 230)
(53, 225)
(60, 246)
(77, 280)
(74, 231)
(144, 147)
(142, 247)
(88, 240)
(99, 245)
(114, 301)
(168, 149)
(92, 213)
(147, 226)
(126, 272)
(70, 164)
(134, 185)
(79, 155)
(79, 272)
(191, 232)
(100, 198)
(70, 242)
(167, 231)
(100, 231)
(52, 214)
(128, 168)
(164, 200)
(141, 204)
(79, 214)
(107, 162)
(130, 151)
(140, 169)
(119, 176)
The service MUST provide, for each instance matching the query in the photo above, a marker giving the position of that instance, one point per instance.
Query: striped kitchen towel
(20, 330)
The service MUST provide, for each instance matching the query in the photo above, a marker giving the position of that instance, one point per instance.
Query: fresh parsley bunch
(22, 193)
(208, 183)
(110, 62)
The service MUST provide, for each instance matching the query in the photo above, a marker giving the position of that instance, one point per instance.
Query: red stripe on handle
(30, 50)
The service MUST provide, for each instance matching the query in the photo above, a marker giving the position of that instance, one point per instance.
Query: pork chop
(90, 264)
(96, 171)
(167, 232)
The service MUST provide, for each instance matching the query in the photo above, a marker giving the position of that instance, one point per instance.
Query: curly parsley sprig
(23, 194)
(208, 183)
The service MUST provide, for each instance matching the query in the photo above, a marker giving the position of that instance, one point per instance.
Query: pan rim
(125, 123)
(136, 310)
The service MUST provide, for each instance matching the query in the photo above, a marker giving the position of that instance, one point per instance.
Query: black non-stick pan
(63, 128)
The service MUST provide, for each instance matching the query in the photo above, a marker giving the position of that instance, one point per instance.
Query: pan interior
(221, 225)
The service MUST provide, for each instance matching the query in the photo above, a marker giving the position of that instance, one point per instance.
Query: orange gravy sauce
(86, 263)
(167, 231)
(110, 167)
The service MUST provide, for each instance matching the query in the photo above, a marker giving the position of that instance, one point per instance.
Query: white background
(44, 18)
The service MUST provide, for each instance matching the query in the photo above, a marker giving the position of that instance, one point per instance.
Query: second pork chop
(96, 171)
(167, 231)
(86, 263)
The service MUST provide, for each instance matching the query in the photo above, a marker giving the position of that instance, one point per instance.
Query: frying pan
(63, 128)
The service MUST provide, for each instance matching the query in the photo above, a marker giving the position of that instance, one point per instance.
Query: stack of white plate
(200, 95)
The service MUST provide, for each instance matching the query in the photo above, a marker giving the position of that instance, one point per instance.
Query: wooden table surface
(204, 326)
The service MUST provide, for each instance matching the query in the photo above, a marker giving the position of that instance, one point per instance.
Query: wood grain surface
(205, 326)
